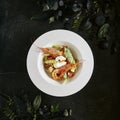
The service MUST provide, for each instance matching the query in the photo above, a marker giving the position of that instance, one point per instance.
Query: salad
(59, 62)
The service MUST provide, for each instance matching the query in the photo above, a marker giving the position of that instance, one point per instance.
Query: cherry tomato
(46, 66)
(50, 58)
(71, 74)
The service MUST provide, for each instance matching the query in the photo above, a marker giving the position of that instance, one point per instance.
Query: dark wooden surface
(97, 101)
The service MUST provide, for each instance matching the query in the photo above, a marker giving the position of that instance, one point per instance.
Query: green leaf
(51, 19)
(46, 7)
(68, 55)
(10, 101)
(54, 108)
(77, 22)
(97, 7)
(70, 112)
(87, 25)
(37, 102)
(9, 113)
(66, 113)
(103, 31)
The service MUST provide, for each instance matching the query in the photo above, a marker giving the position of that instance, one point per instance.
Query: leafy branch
(91, 18)
(15, 108)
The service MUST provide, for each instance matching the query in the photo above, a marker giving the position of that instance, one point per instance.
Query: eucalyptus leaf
(89, 4)
(37, 102)
(87, 25)
(45, 7)
(66, 113)
(103, 31)
(70, 112)
(51, 19)
(55, 6)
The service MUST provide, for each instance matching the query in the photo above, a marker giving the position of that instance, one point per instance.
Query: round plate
(80, 49)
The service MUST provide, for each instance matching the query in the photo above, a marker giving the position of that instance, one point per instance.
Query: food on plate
(59, 62)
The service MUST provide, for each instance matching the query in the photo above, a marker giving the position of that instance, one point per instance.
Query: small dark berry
(40, 111)
(100, 20)
(61, 3)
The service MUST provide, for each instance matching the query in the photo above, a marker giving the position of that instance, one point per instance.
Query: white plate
(80, 49)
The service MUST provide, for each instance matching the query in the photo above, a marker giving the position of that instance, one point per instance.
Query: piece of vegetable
(65, 77)
(50, 61)
(69, 55)
(71, 74)
(50, 69)
(46, 66)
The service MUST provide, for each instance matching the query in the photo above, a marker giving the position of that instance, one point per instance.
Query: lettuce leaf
(68, 55)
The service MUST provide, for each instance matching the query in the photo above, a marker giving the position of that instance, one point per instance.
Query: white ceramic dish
(81, 50)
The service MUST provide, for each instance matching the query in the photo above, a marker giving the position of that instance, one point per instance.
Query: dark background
(97, 101)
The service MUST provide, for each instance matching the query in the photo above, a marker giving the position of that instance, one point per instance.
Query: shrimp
(52, 51)
(58, 74)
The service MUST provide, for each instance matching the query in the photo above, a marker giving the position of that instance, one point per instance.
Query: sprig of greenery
(92, 18)
(9, 113)
(54, 108)
(15, 108)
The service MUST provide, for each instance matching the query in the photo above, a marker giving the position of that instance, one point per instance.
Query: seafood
(58, 74)
(59, 62)
(52, 51)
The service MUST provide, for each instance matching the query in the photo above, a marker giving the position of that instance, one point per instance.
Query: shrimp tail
(44, 50)
(53, 52)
